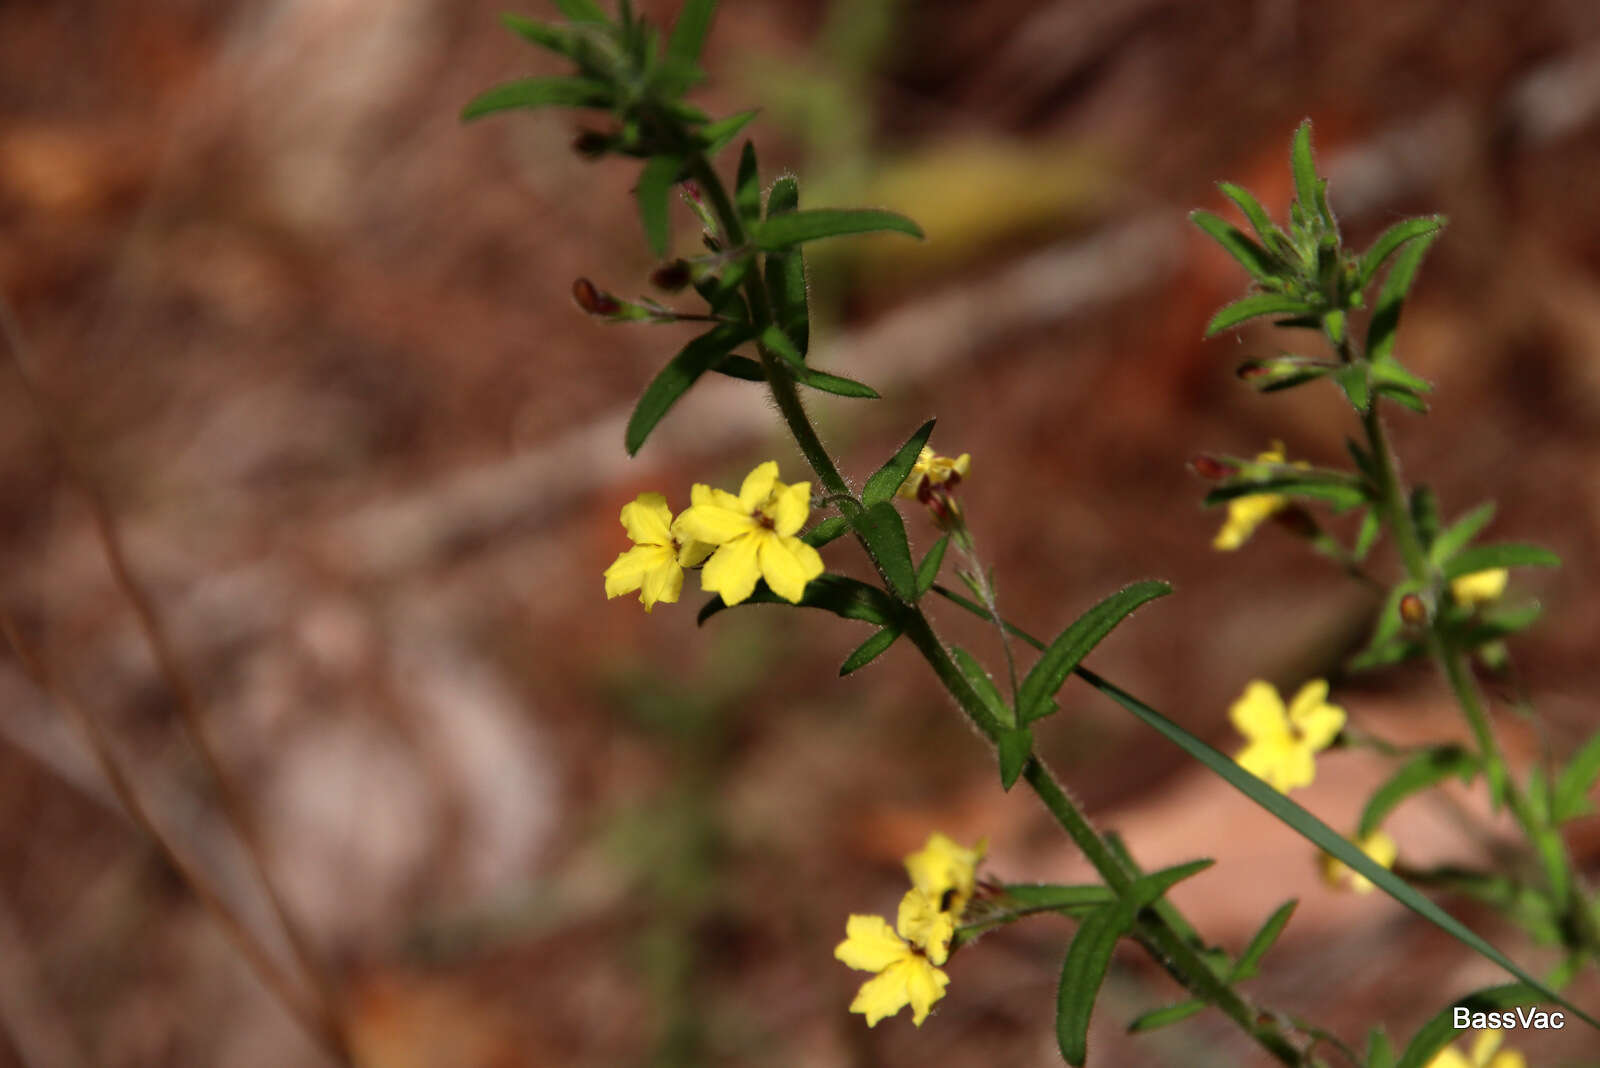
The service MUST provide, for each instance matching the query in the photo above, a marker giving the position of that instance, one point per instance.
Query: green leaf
(786, 271)
(582, 10)
(1386, 311)
(928, 570)
(1254, 306)
(835, 384)
(654, 193)
(1388, 371)
(883, 482)
(1352, 378)
(1367, 536)
(1427, 768)
(1457, 535)
(1258, 261)
(846, 598)
(747, 188)
(1507, 554)
(1379, 1053)
(695, 358)
(1249, 962)
(1306, 184)
(1391, 240)
(1425, 515)
(1016, 746)
(689, 31)
(792, 228)
(718, 135)
(1051, 897)
(1437, 1033)
(884, 533)
(1074, 643)
(1267, 230)
(1338, 489)
(984, 685)
(1089, 957)
(869, 650)
(1403, 397)
(1571, 793)
(553, 38)
(830, 529)
(1165, 1016)
(1292, 815)
(554, 92)
(741, 367)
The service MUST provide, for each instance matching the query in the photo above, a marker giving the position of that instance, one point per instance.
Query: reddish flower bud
(671, 277)
(1252, 369)
(1212, 467)
(593, 300)
(1413, 609)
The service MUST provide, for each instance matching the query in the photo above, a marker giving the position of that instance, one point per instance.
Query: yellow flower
(1250, 511)
(937, 470)
(1378, 846)
(1480, 587)
(754, 534)
(944, 868)
(905, 961)
(654, 566)
(1486, 1053)
(1282, 743)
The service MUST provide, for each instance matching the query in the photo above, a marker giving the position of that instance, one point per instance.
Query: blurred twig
(323, 1019)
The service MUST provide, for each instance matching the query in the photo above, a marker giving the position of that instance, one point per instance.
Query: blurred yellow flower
(1250, 511)
(654, 566)
(1480, 587)
(943, 868)
(905, 961)
(1486, 1053)
(936, 470)
(754, 536)
(1282, 744)
(1378, 846)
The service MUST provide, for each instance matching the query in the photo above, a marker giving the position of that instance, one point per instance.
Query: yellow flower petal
(648, 520)
(733, 569)
(1258, 714)
(641, 568)
(944, 867)
(790, 507)
(1283, 764)
(1449, 1058)
(757, 486)
(787, 564)
(1480, 587)
(923, 924)
(1377, 845)
(912, 981)
(712, 523)
(870, 945)
(1317, 722)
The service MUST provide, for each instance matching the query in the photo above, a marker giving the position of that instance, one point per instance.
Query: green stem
(1167, 945)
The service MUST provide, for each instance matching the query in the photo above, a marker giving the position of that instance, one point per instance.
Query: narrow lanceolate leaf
(1570, 797)
(1053, 897)
(654, 193)
(1353, 380)
(1253, 307)
(830, 529)
(1016, 746)
(869, 650)
(689, 31)
(928, 570)
(554, 92)
(582, 10)
(845, 597)
(553, 38)
(741, 367)
(1273, 238)
(838, 385)
(747, 188)
(1306, 184)
(1036, 694)
(697, 357)
(1509, 554)
(1380, 1054)
(1252, 257)
(1386, 311)
(796, 227)
(1089, 957)
(1390, 241)
(884, 533)
(1294, 817)
(1249, 962)
(786, 271)
(716, 136)
(1404, 397)
(1441, 1030)
(1431, 766)
(883, 482)
(1424, 507)
(984, 685)
(1165, 1016)
(1457, 535)
(1339, 490)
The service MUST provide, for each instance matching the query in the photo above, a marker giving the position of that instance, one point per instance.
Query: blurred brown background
(313, 339)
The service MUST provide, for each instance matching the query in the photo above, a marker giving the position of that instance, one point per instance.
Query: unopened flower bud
(1211, 467)
(593, 300)
(591, 144)
(1252, 369)
(671, 277)
(1413, 609)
